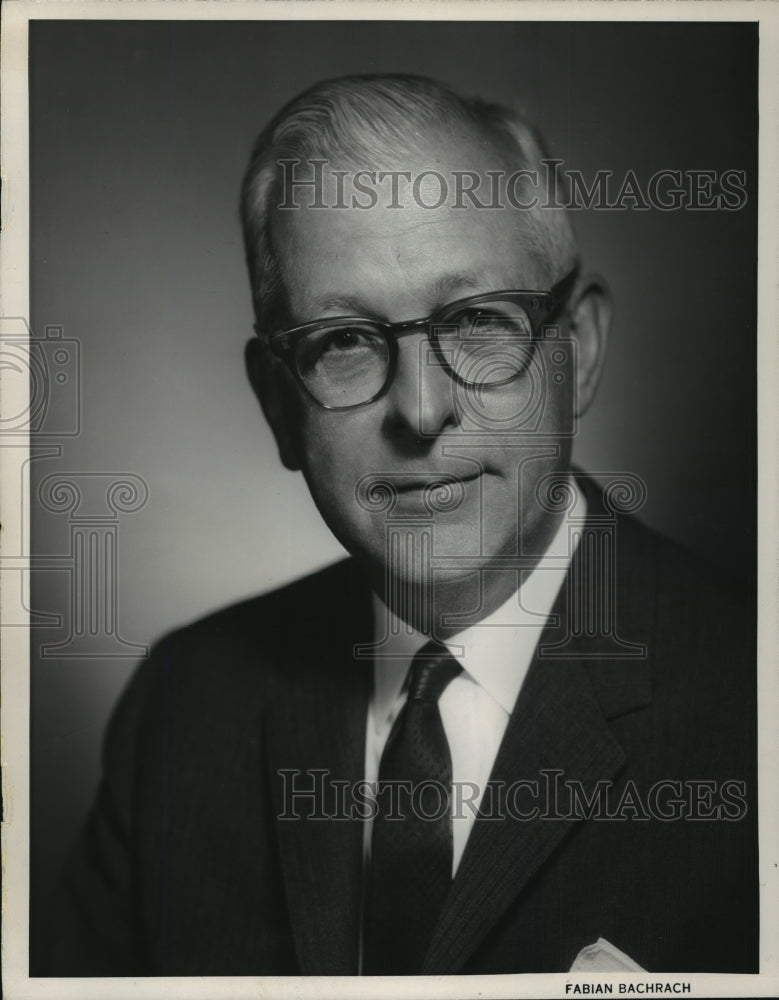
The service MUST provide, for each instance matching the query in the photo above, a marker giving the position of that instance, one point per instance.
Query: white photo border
(14, 302)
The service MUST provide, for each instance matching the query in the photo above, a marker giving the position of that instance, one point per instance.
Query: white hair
(366, 120)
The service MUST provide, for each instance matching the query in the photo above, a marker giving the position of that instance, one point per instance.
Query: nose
(421, 402)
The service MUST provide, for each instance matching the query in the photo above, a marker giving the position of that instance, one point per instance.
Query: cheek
(335, 449)
(337, 453)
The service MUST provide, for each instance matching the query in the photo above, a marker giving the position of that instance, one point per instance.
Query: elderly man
(515, 727)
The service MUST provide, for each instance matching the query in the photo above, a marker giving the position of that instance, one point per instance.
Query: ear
(590, 319)
(270, 382)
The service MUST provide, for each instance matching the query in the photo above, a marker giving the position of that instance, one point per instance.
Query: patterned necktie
(411, 856)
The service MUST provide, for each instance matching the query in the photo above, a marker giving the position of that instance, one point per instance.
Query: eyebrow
(441, 291)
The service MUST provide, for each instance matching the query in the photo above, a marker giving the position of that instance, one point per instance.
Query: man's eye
(344, 340)
(493, 320)
(339, 346)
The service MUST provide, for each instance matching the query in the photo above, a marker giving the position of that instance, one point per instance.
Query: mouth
(425, 482)
(437, 492)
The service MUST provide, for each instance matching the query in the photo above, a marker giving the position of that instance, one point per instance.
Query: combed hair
(364, 121)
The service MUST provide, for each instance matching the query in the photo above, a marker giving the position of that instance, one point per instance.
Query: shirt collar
(497, 651)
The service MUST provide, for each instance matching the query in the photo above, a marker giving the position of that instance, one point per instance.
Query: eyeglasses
(480, 341)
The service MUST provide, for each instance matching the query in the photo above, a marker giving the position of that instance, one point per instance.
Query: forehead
(405, 254)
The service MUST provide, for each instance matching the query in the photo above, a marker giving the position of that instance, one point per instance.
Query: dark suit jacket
(185, 868)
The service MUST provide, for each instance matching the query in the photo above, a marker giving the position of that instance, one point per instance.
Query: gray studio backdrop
(139, 136)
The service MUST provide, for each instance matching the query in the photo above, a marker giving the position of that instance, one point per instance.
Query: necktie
(411, 855)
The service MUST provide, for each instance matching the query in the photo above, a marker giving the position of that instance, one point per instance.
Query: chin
(420, 555)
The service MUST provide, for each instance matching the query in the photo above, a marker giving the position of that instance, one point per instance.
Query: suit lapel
(319, 696)
(559, 724)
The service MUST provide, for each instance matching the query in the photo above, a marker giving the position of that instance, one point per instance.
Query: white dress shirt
(475, 707)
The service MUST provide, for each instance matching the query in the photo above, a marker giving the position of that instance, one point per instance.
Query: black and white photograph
(389, 548)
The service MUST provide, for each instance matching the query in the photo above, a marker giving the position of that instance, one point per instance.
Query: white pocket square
(603, 957)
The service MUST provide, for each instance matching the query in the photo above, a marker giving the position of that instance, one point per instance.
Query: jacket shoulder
(241, 626)
(209, 667)
(680, 584)
(700, 634)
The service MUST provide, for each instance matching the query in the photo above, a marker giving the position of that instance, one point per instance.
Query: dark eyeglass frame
(540, 307)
